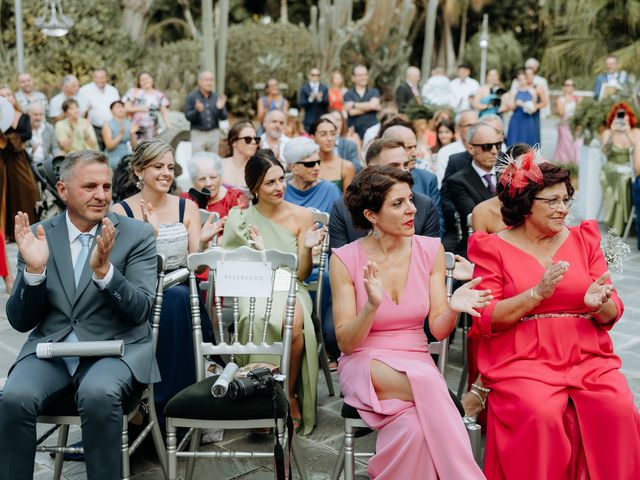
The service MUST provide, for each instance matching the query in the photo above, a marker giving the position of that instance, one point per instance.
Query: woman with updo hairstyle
(273, 223)
(178, 231)
(545, 356)
(243, 142)
(621, 147)
(383, 287)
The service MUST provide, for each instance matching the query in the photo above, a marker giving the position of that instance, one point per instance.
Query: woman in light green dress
(271, 222)
(621, 143)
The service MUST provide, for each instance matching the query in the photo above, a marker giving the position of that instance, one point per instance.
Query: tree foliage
(504, 53)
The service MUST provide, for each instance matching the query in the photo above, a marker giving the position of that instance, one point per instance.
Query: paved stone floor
(320, 449)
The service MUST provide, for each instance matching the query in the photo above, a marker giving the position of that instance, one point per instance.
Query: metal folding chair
(352, 420)
(63, 413)
(465, 320)
(318, 287)
(633, 217)
(195, 407)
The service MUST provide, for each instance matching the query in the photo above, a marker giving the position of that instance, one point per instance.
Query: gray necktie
(490, 186)
(84, 238)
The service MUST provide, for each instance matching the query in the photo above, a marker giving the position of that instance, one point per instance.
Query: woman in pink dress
(567, 149)
(560, 408)
(385, 370)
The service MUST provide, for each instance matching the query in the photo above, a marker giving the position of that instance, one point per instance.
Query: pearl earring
(139, 182)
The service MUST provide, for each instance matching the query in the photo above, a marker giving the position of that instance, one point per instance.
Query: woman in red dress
(560, 408)
(5, 273)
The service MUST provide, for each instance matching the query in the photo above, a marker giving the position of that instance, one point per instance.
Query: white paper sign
(243, 279)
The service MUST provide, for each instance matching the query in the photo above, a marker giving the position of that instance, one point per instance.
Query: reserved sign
(243, 279)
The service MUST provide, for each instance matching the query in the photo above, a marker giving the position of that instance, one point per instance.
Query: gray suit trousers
(100, 385)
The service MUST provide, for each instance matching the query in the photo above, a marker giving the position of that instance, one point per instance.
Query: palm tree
(583, 32)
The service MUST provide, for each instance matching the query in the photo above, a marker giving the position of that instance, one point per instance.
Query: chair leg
(337, 469)
(63, 435)
(349, 453)
(475, 437)
(627, 228)
(172, 459)
(298, 459)
(158, 441)
(124, 449)
(193, 447)
(324, 362)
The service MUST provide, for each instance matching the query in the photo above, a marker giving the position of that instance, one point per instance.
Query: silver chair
(352, 420)
(633, 217)
(63, 412)
(465, 331)
(208, 285)
(318, 287)
(195, 407)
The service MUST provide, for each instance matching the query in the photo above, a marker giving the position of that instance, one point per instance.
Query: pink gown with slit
(424, 439)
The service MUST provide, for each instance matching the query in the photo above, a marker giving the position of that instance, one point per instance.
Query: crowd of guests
(399, 194)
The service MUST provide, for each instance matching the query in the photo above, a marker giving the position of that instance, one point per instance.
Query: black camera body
(259, 382)
(495, 97)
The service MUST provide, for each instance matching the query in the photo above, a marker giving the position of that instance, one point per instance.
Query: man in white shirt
(464, 120)
(70, 89)
(43, 142)
(97, 98)
(436, 90)
(273, 137)
(462, 87)
(26, 96)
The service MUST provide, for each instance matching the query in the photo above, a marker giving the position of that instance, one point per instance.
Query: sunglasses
(310, 164)
(487, 147)
(248, 140)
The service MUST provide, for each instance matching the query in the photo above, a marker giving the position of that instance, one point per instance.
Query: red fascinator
(517, 173)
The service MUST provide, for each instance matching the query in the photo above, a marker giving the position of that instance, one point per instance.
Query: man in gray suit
(83, 275)
(43, 143)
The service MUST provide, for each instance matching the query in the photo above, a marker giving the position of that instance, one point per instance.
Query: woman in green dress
(621, 145)
(271, 222)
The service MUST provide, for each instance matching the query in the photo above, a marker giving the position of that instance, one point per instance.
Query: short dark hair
(256, 169)
(396, 120)
(68, 102)
(116, 102)
(465, 65)
(369, 189)
(514, 209)
(379, 145)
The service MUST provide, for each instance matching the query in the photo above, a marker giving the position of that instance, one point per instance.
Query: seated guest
(464, 120)
(477, 182)
(117, 133)
(67, 291)
(342, 229)
(332, 168)
(43, 142)
(621, 145)
(74, 133)
(305, 187)
(272, 222)
(384, 286)
(273, 137)
(545, 355)
(346, 148)
(243, 142)
(176, 224)
(205, 169)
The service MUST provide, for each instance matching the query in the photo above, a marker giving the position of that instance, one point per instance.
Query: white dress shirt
(442, 158)
(97, 102)
(282, 141)
(482, 172)
(461, 90)
(37, 155)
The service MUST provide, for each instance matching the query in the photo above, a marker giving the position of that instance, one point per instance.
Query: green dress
(275, 236)
(615, 178)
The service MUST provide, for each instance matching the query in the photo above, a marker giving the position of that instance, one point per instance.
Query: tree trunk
(186, 10)
(135, 15)
(431, 7)
(284, 12)
(450, 54)
(463, 29)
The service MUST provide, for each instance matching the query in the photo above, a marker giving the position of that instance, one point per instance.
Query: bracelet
(532, 296)
(482, 389)
(483, 402)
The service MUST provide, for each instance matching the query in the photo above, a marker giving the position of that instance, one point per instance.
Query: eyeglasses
(487, 147)
(248, 140)
(313, 74)
(554, 203)
(310, 164)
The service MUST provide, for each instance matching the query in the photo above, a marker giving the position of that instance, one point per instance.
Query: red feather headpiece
(517, 173)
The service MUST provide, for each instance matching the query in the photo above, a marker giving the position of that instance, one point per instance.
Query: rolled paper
(219, 388)
(107, 348)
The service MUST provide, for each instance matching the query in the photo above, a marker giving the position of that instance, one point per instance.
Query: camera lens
(241, 388)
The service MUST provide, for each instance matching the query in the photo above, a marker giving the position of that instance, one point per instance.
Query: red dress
(560, 408)
(3, 257)
(233, 198)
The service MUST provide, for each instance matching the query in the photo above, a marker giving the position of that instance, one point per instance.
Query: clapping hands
(210, 229)
(99, 260)
(314, 235)
(599, 292)
(467, 299)
(373, 284)
(33, 248)
(255, 237)
(149, 215)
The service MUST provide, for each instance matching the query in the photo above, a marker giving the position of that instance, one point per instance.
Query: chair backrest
(458, 222)
(470, 224)
(323, 218)
(214, 259)
(441, 348)
(204, 216)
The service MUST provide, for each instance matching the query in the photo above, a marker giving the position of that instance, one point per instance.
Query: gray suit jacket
(121, 311)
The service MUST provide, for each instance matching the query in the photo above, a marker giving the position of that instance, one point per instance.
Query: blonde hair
(147, 152)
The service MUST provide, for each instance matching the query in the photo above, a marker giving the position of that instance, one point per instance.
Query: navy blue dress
(524, 127)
